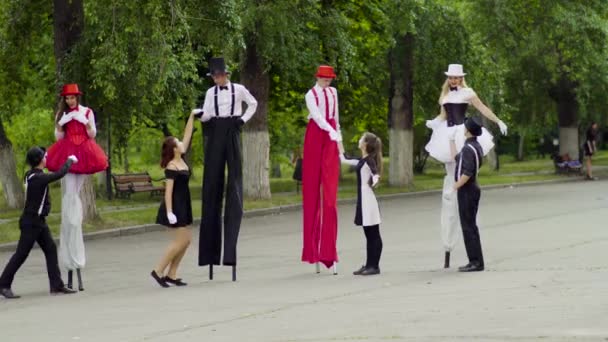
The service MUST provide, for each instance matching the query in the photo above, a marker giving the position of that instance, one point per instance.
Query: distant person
(33, 223)
(590, 148)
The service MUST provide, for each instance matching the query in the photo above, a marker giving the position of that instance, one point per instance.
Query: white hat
(455, 70)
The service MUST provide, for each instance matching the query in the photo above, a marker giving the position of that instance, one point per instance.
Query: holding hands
(73, 159)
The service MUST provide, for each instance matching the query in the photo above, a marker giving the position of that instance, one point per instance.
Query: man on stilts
(223, 119)
(321, 172)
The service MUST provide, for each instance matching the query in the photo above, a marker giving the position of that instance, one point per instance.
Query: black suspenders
(217, 108)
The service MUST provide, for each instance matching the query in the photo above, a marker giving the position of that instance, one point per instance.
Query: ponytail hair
(373, 147)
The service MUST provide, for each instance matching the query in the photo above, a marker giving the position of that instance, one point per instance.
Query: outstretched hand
(502, 126)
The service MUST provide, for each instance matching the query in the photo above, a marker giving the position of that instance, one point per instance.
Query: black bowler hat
(473, 125)
(35, 155)
(217, 66)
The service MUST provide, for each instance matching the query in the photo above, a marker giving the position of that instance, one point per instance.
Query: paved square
(546, 279)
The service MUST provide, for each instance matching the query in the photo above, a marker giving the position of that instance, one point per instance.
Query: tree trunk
(11, 186)
(68, 24)
(256, 141)
(87, 197)
(520, 147)
(401, 112)
(567, 110)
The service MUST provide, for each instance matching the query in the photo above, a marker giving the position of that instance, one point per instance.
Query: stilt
(70, 276)
(80, 283)
(233, 272)
(210, 272)
(318, 268)
(446, 262)
(335, 268)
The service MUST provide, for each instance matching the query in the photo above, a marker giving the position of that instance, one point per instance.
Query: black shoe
(370, 271)
(471, 268)
(176, 282)
(159, 280)
(359, 271)
(62, 290)
(8, 294)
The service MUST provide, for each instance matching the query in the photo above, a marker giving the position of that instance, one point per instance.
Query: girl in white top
(369, 169)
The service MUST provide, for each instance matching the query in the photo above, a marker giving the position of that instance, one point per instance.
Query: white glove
(82, 118)
(335, 136)
(432, 124)
(73, 159)
(66, 118)
(502, 126)
(449, 194)
(375, 180)
(171, 217)
(196, 111)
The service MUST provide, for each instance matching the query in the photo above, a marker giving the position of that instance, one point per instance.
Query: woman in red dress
(75, 131)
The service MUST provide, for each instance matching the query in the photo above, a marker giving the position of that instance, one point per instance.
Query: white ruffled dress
(455, 104)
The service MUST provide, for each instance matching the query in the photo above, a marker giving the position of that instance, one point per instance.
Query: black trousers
(468, 204)
(222, 147)
(33, 230)
(374, 245)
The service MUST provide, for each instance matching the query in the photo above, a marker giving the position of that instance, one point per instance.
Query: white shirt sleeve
(208, 109)
(313, 109)
(252, 103)
(59, 135)
(92, 131)
(351, 162)
(337, 109)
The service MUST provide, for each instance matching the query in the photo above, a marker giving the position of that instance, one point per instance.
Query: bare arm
(462, 181)
(483, 109)
(188, 131)
(169, 195)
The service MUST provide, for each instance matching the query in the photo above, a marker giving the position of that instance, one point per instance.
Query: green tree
(557, 46)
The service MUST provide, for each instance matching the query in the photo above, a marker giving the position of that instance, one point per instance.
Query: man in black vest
(33, 224)
(468, 162)
(223, 117)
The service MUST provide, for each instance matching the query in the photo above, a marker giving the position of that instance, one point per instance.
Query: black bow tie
(223, 87)
(453, 88)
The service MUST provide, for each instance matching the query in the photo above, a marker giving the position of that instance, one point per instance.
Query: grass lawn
(142, 209)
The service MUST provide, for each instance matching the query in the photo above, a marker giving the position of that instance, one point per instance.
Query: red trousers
(320, 175)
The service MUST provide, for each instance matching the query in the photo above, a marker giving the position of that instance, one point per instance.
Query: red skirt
(91, 158)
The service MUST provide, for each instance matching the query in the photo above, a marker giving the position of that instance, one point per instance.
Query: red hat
(325, 71)
(70, 89)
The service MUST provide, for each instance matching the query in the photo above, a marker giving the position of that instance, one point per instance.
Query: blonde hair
(445, 89)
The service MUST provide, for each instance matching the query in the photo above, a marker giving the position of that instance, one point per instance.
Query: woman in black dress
(590, 148)
(175, 211)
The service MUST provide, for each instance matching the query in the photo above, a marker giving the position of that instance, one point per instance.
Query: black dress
(589, 146)
(182, 205)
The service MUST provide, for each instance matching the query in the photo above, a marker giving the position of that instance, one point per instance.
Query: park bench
(130, 183)
(563, 165)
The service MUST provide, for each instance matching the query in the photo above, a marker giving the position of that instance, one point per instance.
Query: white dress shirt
(317, 112)
(224, 102)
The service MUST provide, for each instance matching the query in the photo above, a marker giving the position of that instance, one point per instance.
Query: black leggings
(374, 245)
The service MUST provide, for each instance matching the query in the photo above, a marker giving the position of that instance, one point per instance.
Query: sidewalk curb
(145, 228)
